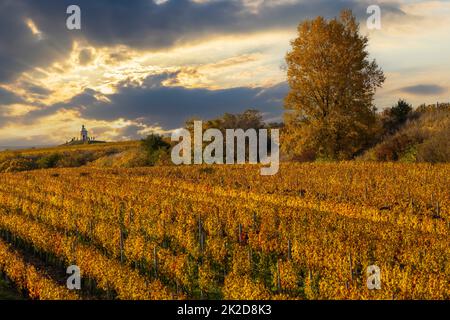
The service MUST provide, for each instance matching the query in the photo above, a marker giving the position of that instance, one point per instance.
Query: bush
(392, 149)
(410, 155)
(48, 161)
(156, 149)
(66, 157)
(17, 164)
(434, 150)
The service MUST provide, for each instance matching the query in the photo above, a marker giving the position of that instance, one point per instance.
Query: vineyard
(225, 232)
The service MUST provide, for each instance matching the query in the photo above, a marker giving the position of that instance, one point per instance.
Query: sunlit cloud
(34, 29)
(17, 110)
(216, 64)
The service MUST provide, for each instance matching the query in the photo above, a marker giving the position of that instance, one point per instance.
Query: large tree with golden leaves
(329, 109)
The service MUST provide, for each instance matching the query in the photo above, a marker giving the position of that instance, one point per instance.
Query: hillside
(61, 156)
(421, 137)
(424, 137)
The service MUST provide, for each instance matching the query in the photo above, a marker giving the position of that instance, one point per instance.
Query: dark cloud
(145, 24)
(156, 81)
(20, 49)
(83, 100)
(169, 107)
(7, 97)
(130, 132)
(140, 24)
(35, 90)
(85, 56)
(424, 89)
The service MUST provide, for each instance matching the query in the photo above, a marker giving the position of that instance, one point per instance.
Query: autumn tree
(155, 148)
(249, 119)
(396, 116)
(329, 109)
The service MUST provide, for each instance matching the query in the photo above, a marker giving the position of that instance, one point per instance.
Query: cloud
(33, 33)
(23, 48)
(158, 80)
(145, 24)
(35, 90)
(424, 89)
(85, 56)
(7, 97)
(153, 104)
(170, 107)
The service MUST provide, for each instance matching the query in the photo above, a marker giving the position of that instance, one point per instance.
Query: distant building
(84, 138)
(84, 134)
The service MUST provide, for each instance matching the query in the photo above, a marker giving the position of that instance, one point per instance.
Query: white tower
(84, 134)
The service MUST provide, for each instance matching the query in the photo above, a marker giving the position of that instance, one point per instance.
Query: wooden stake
(200, 234)
(289, 250)
(121, 246)
(351, 266)
(240, 233)
(278, 277)
(155, 262)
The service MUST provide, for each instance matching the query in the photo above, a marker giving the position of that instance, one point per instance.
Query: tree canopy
(329, 109)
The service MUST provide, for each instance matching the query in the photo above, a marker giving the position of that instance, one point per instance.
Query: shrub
(392, 149)
(48, 161)
(436, 149)
(410, 155)
(17, 164)
(155, 148)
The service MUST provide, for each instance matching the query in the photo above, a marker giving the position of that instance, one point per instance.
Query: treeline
(158, 148)
(399, 133)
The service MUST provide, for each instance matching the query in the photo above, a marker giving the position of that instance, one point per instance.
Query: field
(225, 232)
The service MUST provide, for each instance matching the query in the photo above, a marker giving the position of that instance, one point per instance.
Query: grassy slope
(424, 138)
(62, 156)
(123, 145)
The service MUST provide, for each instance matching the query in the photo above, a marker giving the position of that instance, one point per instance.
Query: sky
(143, 66)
